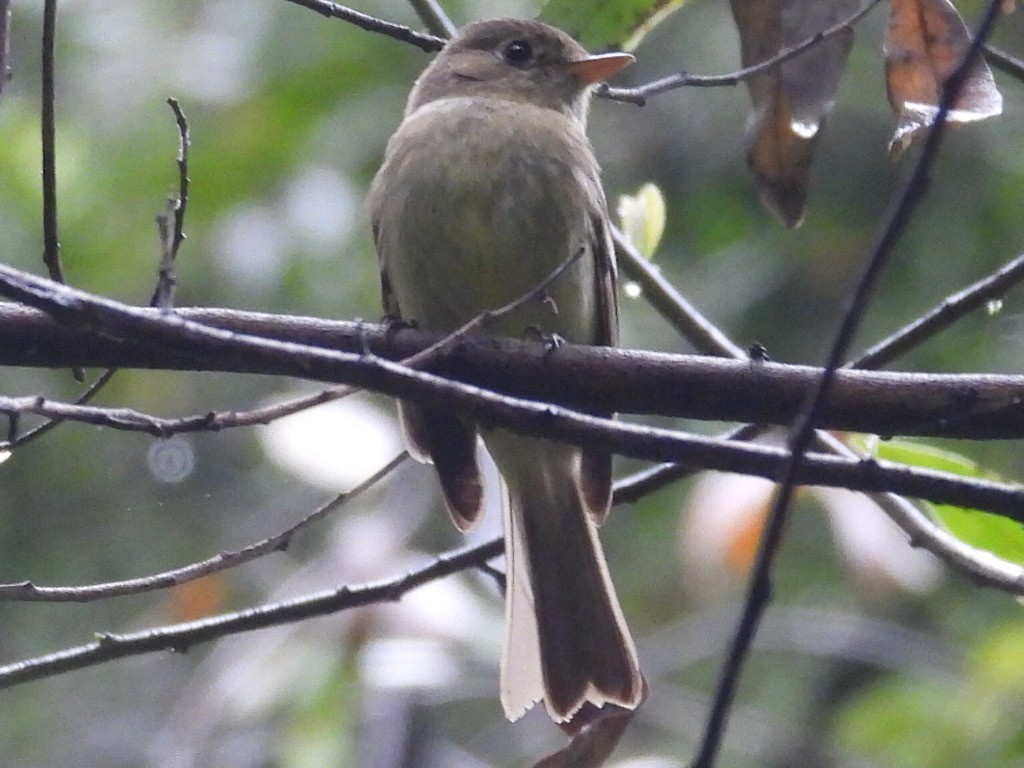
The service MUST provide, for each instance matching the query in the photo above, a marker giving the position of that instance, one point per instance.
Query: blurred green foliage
(289, 115)
(975, 721)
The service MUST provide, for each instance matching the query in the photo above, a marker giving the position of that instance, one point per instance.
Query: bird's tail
(566, 639)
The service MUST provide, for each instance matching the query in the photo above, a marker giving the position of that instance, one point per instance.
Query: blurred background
(872, 655)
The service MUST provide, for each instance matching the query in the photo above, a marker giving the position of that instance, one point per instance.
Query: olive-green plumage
(487, 187)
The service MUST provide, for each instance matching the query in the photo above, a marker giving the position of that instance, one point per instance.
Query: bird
(488, 186)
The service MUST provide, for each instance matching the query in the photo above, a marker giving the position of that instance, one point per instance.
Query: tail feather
(596, 484)
(567, 640)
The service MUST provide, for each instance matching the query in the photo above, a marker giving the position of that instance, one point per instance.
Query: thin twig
(428, 43)
(982, 567)
(217, 420)
(51, 239)
(163, 294)
(180, 637)
(48, 132)
(434, 17)
(171, 223)
(435, 350)
(26, 591)
(181, 205)
(5, 43)
(802, 433)
(634, 487)
(34, 434)
(640, 94)
(670, 304)
(553, 422)
(1005, 62)
(951, 309)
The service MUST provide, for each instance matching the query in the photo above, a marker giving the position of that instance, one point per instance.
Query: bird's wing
(596, 466)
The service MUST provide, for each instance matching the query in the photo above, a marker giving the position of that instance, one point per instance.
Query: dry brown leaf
(791, 101)
(924, 45)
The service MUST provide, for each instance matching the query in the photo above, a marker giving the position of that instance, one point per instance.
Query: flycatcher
(488, 186)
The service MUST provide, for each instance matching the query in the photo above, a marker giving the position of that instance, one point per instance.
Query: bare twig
(642, 442)
(983, 567)
(163, 294)
(48, 131)
(947, 312)
(419, 359)
(51, 240)
(1005, 62)
(184, 141)
(34, 434)
(427, 43)
(5, 43)
(634, 487)
(434, 17)
(670, 304)
(212, 421)
(180, 637)
(802, 433)
(171, 223)
(26, 591)
(424, 358)
(640, 94)
(951, 309)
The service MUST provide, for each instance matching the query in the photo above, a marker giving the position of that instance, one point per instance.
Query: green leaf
(603, 24)
(642, 218)
(1001, 536)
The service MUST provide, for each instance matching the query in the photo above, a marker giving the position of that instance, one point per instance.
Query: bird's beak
(594, 69)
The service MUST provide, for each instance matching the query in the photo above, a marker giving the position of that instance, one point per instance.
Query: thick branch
(77, 308)
(970, 406)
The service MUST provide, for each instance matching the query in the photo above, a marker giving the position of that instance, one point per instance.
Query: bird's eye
(518, 52)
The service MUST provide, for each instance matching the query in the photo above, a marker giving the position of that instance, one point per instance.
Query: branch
(51, 242)
(26, 591)
(967, 406)
(1003, 61)
(802, 432)
(434, 17)
(658, 444)
(640, 94)
(949, 310)
(983, 567)
(171, 223)
(491, 409)
(670, 304)
(180, 637)
(15, 439)
(427, 43)
(5, 43)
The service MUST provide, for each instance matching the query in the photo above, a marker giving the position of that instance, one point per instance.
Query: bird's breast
(482, 201)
